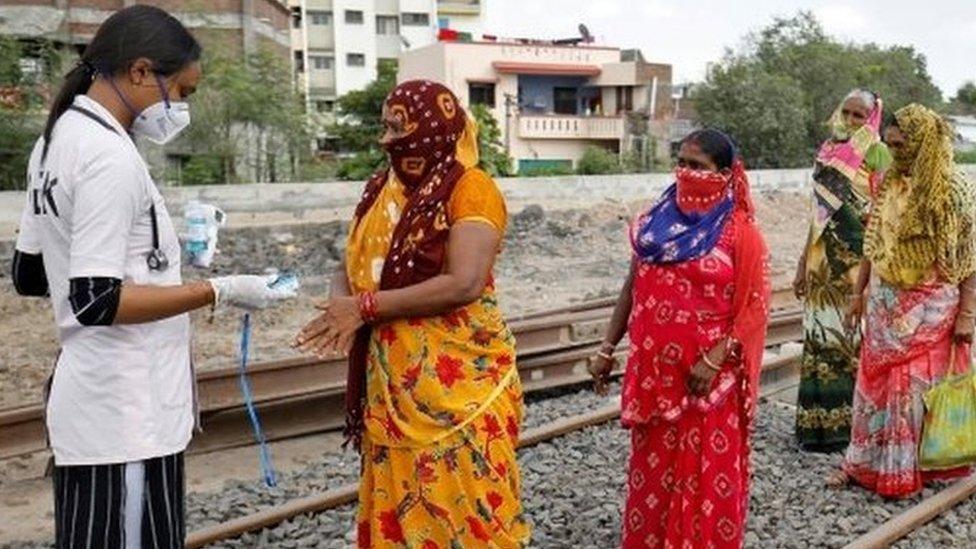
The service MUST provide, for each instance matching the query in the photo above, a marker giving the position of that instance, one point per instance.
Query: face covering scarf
(688, 220)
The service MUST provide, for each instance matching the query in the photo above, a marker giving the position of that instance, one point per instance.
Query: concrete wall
(287, 203)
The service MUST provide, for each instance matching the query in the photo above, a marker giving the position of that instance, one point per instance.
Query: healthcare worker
(95, 236)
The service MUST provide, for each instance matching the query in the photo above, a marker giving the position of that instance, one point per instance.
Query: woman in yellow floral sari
(433, 397)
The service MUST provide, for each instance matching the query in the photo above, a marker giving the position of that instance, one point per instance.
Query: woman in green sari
(848, 167)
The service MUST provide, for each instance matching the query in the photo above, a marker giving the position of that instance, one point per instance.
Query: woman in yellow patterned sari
(433, 397)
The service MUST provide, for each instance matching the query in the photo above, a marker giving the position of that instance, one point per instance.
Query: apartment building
(552, 101)
(338, 44)
(240, 26)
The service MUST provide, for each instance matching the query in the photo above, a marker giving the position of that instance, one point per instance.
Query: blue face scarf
(668, 235)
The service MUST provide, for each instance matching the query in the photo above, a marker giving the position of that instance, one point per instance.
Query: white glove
(249, 292)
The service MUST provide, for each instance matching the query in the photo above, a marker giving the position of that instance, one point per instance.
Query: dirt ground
(550, 258)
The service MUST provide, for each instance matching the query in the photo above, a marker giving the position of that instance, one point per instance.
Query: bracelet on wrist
(368, 307)
(711, 365)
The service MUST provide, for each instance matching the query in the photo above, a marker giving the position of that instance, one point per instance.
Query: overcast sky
(688, 33)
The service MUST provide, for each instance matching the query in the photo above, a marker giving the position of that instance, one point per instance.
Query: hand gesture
(600, 367)
(963, 330)
(333, 330)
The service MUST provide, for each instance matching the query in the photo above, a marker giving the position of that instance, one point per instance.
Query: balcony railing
(571, 127)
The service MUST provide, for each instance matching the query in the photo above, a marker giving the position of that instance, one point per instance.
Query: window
(564, 100)
(481, 94)
(320, 17)
(387, 25)
(444, 22)
(299, 61)
(296, 18)
(625, 98)
(321, 62)
(416, 20)
(356, 59)
(325, 106)
(354, 17)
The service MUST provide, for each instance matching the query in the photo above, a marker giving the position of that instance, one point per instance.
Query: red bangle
(368, 307)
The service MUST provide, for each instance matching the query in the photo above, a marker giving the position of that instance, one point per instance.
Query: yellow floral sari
(443, 398)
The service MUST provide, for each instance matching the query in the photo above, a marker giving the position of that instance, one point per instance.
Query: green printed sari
(843, 178)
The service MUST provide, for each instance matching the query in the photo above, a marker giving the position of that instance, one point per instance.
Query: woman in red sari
(695, 308)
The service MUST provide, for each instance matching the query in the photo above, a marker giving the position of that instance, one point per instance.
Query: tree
(360, 124)
(246, 115)
(765, 114)
(796, 57)
(965, 100)
(22, 97)
(493, 158)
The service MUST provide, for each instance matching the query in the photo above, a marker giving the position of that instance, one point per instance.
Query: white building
(337, 44)
(554, 101)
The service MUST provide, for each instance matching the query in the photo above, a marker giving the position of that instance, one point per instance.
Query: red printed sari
(689, 468)
(906, 350)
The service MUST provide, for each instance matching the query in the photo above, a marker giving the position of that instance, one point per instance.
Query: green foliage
(775, 95)
(966, 157)
(547, 170)
(360, 124)
(314, 170)
(965, 100)
(493, 158)
(597, 161)
(762, 111)
(361, 165)
(246, 115)
(21, 104)
(601, 161)
(203, 169)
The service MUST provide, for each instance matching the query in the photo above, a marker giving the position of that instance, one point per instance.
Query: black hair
(128, 35)
(890, 120)
(715, 144)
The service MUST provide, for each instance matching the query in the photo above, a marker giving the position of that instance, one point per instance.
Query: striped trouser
(132, 505)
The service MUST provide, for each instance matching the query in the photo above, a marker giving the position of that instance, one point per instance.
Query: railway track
(774, 370)
(303, 396)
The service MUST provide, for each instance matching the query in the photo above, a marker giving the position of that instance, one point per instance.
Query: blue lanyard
(267, 469)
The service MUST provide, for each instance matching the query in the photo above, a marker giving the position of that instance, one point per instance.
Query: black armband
(28, 274)
(95, 300)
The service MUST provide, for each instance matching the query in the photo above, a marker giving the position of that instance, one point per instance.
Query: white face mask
(162, 121)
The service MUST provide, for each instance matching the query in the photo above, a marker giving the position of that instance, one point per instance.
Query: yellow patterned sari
(444, 400)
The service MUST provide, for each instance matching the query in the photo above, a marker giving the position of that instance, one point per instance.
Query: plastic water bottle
(195, 225)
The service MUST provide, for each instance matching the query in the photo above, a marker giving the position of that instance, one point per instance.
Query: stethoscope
(156, 259)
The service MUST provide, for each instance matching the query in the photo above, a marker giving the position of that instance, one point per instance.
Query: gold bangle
(710, 364)
(605, 356)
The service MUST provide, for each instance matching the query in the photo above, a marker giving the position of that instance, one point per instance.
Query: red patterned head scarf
(432, 122)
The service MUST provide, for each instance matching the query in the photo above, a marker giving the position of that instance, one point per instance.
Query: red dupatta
(750, 301)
